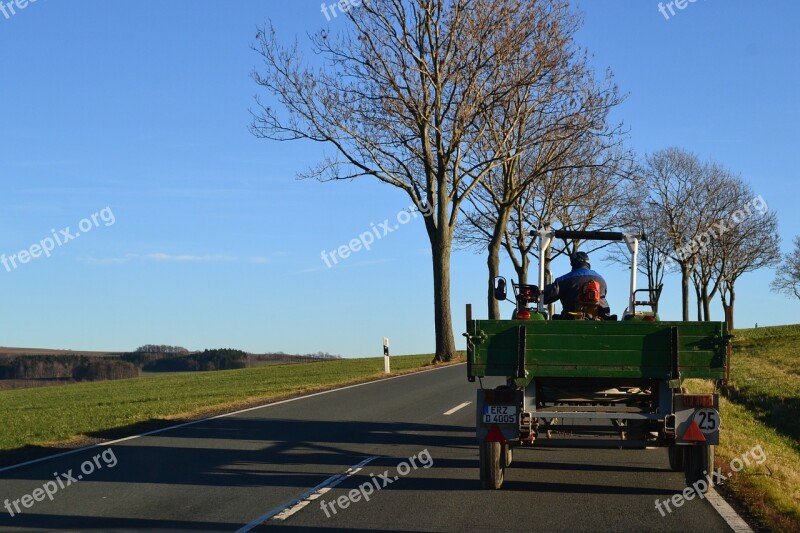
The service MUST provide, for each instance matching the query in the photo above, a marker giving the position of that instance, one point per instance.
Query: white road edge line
(456, 408)
(288, 509)
(170, 428)
(734, 521)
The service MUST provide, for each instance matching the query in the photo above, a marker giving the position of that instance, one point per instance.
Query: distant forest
(147, 358)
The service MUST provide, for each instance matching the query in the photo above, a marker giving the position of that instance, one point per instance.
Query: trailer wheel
(698, 462)
(491, 465)
(676, 457)
(509, 455)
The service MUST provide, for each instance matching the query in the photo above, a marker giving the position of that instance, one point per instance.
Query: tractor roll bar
(589, 235)
(592, 235)
(632, 241)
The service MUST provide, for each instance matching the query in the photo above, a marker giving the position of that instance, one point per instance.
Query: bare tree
(706, 222)
(642, 218)
(751, 242)
(535, 209)
(704, 280)
(561, 130)
(787, 280)
(594, 193)
(403, 97)
(724, 194)
(584, 190)
(677, 185)
(536, 115)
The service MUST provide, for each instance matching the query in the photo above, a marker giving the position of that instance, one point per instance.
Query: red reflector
(698, 400)
(523, 314)
(495, 435)
(694, 433)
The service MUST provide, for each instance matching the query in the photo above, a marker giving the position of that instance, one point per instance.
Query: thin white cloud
(314, 269)
(180, 258)
(188, 258)
(269, 258)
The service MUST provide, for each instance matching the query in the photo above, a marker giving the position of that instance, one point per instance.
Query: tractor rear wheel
(492, 462)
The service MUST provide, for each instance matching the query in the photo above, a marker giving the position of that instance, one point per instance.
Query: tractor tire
(491, 465)
(698, 462)
(676, 457)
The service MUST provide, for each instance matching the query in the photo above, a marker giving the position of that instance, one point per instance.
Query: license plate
(500, 414)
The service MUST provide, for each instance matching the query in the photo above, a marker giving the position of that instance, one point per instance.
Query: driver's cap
(579, 259)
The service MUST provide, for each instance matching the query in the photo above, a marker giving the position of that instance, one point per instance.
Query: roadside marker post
(386, 355)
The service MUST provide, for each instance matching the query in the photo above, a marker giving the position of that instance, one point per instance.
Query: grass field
(761, 406)
(44, 416)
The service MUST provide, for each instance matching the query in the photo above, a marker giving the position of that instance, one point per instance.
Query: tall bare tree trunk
(493, 261)
(548, 277)
(441, 244)
(728, 308)
(522, 270)
(523, 274)
(685, 291)
(699, 297)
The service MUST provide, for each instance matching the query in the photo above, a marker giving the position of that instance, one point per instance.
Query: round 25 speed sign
(707, 420)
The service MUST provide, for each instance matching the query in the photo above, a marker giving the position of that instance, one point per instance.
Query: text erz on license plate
(499, 414)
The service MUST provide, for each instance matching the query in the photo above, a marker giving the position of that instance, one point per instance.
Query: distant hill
(4, 350)
(34, 367)
(277, 357)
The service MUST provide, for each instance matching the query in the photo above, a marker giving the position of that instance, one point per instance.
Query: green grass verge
(48, 415)
(761, 406)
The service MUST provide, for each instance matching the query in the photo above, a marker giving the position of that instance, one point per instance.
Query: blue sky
(143, 107)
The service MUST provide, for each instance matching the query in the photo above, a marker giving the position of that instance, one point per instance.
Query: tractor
(595, 382)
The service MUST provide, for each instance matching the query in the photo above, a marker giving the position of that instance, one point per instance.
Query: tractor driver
(569, 287)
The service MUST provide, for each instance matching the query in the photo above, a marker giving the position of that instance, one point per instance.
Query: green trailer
(595, 383)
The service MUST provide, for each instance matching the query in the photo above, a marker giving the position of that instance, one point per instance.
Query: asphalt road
(223, 474)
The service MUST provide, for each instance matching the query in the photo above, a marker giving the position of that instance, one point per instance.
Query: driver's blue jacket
(567, 289)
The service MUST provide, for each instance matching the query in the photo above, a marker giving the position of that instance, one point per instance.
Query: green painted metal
(588, 349)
